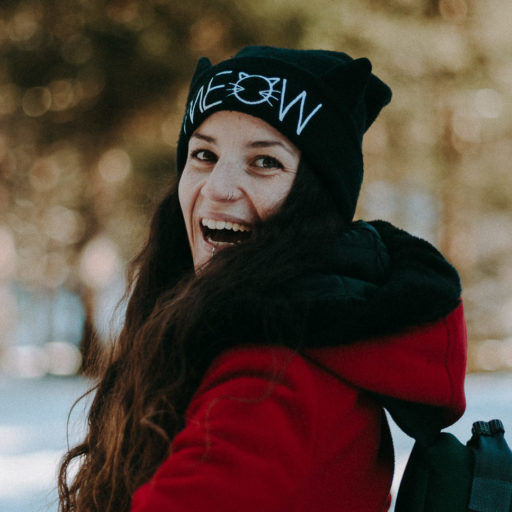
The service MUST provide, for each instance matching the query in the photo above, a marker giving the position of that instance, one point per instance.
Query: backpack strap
(492, 475)
(419, 421)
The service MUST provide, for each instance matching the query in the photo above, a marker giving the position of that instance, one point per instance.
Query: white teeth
(220, 224)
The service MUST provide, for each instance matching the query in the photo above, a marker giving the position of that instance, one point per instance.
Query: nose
(224, 181)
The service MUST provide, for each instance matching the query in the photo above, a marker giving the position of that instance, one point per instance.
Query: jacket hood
(409, 326)
(410, 331)
(416, 374)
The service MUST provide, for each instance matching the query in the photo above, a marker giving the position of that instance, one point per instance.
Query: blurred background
(91, 97)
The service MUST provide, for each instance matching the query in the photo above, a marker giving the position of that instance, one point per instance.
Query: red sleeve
(248, 441)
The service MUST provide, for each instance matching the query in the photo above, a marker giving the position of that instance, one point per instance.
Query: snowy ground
(33, 417)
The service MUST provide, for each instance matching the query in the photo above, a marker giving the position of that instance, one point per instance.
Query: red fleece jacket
(270, 430)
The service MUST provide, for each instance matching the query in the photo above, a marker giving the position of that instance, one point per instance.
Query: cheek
(270, 199)
(182, 197)
(186, 198)
(187, 190)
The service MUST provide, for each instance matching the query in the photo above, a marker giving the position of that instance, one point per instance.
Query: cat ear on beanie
(349, 80)
(354, 81)
(323, 101)
(202, 65)
(378, 95)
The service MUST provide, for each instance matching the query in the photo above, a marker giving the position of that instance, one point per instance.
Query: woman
(265, 329)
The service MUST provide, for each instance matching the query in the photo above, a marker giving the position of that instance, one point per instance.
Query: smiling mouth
(219, 232)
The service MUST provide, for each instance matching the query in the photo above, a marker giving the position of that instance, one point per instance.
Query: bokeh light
(114, 165)
(99, 262)
(7, 253)
(36, 101)
(64, 225)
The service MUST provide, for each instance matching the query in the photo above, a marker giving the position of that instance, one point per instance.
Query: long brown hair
(176, 322)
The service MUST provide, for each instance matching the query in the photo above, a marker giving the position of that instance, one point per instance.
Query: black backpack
(444, 475)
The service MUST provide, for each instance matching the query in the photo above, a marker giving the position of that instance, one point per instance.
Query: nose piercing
(230, 196)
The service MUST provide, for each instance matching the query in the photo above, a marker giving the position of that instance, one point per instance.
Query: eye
(268, 162)
(204, 155)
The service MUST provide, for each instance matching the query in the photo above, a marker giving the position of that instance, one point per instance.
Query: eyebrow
(254, 144)
(206, 138)
(269, 144)
(265, 144)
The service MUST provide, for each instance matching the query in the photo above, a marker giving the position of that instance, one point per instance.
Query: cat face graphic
(254, 89)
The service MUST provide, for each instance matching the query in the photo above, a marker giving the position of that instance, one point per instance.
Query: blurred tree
(92, 93)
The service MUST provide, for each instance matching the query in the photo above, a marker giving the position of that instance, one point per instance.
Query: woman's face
(239, 170)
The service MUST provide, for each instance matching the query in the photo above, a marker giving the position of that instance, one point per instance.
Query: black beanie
(323, 101)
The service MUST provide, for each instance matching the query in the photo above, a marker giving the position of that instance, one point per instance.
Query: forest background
(91, 98)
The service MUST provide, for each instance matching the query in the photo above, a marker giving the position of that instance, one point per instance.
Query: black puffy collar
(378, 280)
